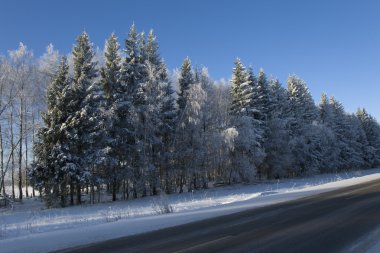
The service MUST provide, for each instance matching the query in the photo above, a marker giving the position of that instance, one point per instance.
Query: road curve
(328, 222)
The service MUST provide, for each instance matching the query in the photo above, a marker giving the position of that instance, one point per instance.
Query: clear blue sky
(333, 45)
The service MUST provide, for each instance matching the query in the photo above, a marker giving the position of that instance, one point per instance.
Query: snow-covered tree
(262, 107)
(247, 152)
(303, 117)
(241, 90)
(278, 158)
(260, 97)
(302, 107)
(184, 82)
(49, 62)
(350, 157)
(85, 74)
(371, 129)
(50, 171)
(279, 99)
(167, 129)
(160, 118)
(117, 110)
(186, 120)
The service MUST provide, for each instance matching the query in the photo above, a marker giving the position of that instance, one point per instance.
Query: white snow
(27, 228)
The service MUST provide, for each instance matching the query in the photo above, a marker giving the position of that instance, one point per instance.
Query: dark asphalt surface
(328, 222)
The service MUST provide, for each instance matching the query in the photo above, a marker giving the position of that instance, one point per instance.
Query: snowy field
(29, 228)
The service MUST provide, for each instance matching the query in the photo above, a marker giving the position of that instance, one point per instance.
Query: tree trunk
(79, 194)
(124, 189)
(2, 161)
(98, 189)
(127, 189)
(181, 184)
(26, 152)
(92, 194)
(114, 190)
(12, 155)
(71, 194)
(34, 157)
(167, 187)
(20, 151)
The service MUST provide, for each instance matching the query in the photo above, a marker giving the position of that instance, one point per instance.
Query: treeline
(122, 122)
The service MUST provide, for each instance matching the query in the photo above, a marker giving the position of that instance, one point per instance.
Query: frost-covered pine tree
(135, 78)
(85, 73)
(53, 159)
(167, 130)
(350, 157)
(184, 82)
(260, 97)
(95, 158)
(303, 117)
(326, 111)
(262, 107)
(184, 128)
(359, 142)
(241, 90)
(246, 152)
(331, 161)
(133, 68)
(279, 100)
(160, 113)
(278, 157)
(117, 109)
(371, 129)
(301, 103)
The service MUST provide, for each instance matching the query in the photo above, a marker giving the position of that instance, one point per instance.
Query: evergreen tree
(85, 73)
(332, 161)
(278, 156)
(118, 113)
(53, 161)
(371, 129)
(133, 77)
(261, 105)
(279, 100)
(303, 117)
(350, 157)
(133, 69)
(151, 50)
(185, 80)
(184, 130)
(247, 152)
(95, 119)
(161, 115)
(110, 73)
(167, 129)
(260, 97)
(241, 90)
(326, 111)
(301, 103)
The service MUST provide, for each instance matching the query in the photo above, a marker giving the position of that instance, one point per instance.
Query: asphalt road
(328, 222)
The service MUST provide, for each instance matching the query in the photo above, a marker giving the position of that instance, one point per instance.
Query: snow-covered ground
(28, 228)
